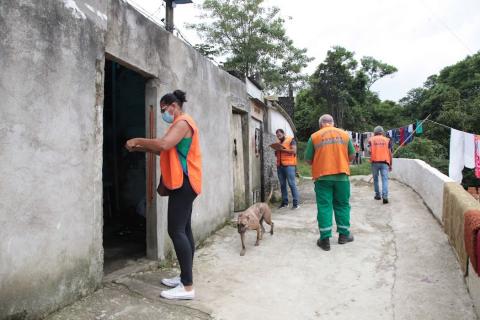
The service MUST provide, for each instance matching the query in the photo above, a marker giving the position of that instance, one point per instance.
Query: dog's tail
(270, 194)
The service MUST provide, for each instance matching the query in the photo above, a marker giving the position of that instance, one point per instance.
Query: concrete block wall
(427, 181)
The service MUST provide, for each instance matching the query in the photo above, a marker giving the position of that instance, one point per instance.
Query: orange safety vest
(379, 149)
(171, 168)
(283, 158)
(331, 152)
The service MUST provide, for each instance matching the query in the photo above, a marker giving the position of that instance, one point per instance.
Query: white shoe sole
(168, 297)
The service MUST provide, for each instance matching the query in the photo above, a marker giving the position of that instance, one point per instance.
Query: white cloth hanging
(457, 155)
(469, 150)
(410, 128)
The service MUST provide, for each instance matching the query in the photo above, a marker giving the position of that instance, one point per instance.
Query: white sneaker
(171, 282)
(178, 293)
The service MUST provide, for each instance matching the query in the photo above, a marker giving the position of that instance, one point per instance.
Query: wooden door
(239, 188)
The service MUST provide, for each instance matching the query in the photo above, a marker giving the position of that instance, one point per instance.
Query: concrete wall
(211, 93)
(424, 179)
(449, 202)
(51, 135)
(51, 57)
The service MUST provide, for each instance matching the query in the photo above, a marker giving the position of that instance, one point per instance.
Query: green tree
(252, 40)
(375, 69)
(332, 82)
(344, 86)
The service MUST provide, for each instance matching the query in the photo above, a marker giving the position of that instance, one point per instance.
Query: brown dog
(252, 219)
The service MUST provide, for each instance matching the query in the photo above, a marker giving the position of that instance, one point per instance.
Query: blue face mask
(167, 117)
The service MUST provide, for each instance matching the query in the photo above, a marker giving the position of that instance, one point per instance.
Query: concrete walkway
(400, 266)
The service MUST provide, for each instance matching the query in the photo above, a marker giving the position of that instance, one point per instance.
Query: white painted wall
(278, 121)
(253, 91)
(424, 179)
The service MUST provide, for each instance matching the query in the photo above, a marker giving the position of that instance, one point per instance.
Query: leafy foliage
(253, 41)
(341, 86)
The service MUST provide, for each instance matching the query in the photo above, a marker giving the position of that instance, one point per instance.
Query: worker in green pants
(329, 152)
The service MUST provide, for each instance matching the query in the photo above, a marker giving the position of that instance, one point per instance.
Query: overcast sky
(419, 37)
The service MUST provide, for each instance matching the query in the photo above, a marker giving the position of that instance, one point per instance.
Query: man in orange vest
(381, 159)
(286, 164)
(329, 152)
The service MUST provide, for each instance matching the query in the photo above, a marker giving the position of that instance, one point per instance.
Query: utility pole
(169, 16)
(169, 5)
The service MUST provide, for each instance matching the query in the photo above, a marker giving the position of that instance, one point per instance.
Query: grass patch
(303, 168)
(361, 169)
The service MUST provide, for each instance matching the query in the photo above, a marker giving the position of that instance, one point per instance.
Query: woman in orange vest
(181, 167)
(381, 159)
(286, 165)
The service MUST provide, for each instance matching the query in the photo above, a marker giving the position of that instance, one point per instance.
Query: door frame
(245, 117)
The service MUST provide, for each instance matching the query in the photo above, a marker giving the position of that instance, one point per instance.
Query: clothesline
(447, 127)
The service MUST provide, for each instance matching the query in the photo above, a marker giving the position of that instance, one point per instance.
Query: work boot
(324, 244)
(377, 198)
(342, 239)
(385, 200)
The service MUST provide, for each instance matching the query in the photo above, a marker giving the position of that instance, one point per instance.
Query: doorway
(124, 173)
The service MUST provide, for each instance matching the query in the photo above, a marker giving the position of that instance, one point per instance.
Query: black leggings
(180, 204)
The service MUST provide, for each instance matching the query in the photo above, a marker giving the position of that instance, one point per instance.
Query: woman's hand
(131, 144)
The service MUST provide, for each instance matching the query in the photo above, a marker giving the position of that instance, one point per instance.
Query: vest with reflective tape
(284, 158)
(379, 150)
(171, 168)
(331, 152)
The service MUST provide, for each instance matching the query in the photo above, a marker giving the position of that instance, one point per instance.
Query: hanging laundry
(456, 158)
(409, 133)
(396, 135)
(419, 127)
(402, 135)
(477, 156)
(469, 150)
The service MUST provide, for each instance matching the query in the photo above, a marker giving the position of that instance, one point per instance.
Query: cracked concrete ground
(400, 266)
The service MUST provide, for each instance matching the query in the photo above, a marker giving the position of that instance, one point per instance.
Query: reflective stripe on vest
(286, 159)
(331, 152)
(379, 149)
(171, 168)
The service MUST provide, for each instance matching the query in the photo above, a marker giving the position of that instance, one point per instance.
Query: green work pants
(333, 196)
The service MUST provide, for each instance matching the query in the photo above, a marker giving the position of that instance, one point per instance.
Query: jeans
(287, 174)
(382, 169)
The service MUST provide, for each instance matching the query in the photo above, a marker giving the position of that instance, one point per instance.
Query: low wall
(457, 201)
(427, 181)
(448, 202)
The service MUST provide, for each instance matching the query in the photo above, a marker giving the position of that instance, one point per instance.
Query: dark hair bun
(181, 95)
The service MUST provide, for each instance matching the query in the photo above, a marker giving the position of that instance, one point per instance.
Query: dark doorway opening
(124, 173)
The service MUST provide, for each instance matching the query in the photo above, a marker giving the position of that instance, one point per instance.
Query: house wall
(52, 61)
(51, 57)
(278, 121)
(211, 93)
